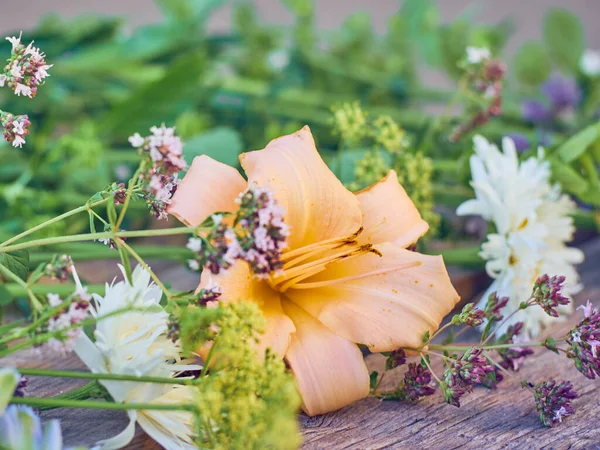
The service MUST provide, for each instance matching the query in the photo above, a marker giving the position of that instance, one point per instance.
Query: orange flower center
(304, 262)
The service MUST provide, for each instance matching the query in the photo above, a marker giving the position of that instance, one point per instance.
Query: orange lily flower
(347, 276)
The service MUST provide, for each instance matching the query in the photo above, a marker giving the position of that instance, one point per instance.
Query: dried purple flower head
(553, 401)
(417, 382)
(460, 376)
(520, 140)
(26, 68)
(173, 328)
(395, 359)
(494, 306)
(119, 192)
(535, 112)
(222, 249)
(563, 93)
(584, 343)
(547, 294)
(470, 315)
(21, 389)
(210, 293)
(263, 231)
(60, 267)
(15, 128)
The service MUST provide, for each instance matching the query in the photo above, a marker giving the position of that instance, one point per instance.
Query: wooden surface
(504, 418)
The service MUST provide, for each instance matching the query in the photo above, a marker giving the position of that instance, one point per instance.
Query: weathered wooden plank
(504, 418)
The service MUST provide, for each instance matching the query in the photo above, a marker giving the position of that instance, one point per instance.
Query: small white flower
(155, 154)
(217, 218)
(22, 89)
(590, 63)
(15, 71)
(54, 300)
(136, 140)
(18, 142)
(18, 127)
(15, 41)
(2, 80)
(194, 244)
(42, 72)
(278, 59)
(588, 309)
(477, 55)
(193, 265)
(559, 413)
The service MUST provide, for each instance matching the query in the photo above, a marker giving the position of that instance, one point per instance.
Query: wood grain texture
(504, 418)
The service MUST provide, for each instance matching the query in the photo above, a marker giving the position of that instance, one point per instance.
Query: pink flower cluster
(258, 236)
(15, 128)
(76, 311)
(164, 152)
(26, 68)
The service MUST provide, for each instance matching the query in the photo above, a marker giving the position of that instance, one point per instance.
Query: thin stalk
(87, 252)
(461, 347)
(35, 303)
(130, 187)
(16, 290)
(96, 236)
(141, 261)
(54, 220)
(93, 389)
(88, 404)
(104, 376)
(430, 369)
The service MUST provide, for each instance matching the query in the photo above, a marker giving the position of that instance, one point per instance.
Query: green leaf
(5, 296)
(425, 337)
(571, 181)
(373, 379)
(17, 262)
(532, 63)
(223, 144)
(158, 101)
(563, 35)
(579, 143)
(454, 39)
(9, 378)
(188, 10)
(422, 18)
(550, 344)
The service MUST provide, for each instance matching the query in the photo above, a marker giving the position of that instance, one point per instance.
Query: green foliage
(532, 63)
(17, 262)
(454, 39)
(222, 144)
(564, 38)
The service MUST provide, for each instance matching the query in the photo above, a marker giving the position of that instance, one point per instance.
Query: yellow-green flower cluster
(245, 401)
(389, 135)
(350, 122)
(369, 170)
(414, 173)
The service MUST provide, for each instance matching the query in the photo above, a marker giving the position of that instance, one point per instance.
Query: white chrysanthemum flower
(135, 343)
(532, 223)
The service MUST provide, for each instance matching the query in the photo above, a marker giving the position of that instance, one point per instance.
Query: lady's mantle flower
(26, 68)
(15, 128)
(533, 224)
(553, 401)
(346, 276)
(164, 154)
(135, 343)
(584, 343)
(20, 428)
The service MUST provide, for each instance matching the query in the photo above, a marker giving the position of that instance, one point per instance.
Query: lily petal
(385, 302)
(389, 215)
(121, 439)
(208, 187)
(317, 205)
(329, 370)
(238, 284)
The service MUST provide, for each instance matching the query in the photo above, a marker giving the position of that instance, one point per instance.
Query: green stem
(104, 376)
(54, 220)
(96, 236)
(141, 261)
(462, 347)
(35, 303)
(88, 404)
(463, 256)
(93, 389)
(16, 290)
(130, 187)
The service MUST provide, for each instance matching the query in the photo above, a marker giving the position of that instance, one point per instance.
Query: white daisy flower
(135, 343)
(532, 223)
(590, 63)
